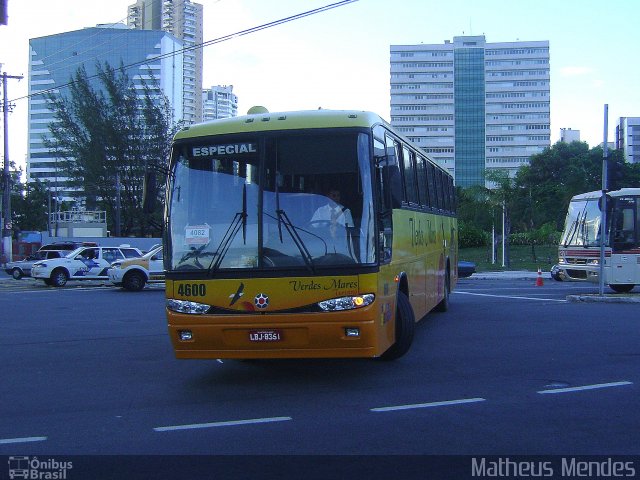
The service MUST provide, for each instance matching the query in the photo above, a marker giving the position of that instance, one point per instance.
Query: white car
(134, 273)
(84, 263)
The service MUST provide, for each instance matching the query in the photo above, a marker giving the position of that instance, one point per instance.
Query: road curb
(595, 298)
(510, 275)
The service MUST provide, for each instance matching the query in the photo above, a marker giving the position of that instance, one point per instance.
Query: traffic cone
(539, 281)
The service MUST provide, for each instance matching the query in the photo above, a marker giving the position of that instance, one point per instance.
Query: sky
(339, 59)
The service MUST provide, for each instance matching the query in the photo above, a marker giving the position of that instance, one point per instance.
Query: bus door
(625, 258)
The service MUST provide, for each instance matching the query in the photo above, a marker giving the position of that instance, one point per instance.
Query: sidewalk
(608, 297)
(509, 275)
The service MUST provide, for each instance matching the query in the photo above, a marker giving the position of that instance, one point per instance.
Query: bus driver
(333, 212)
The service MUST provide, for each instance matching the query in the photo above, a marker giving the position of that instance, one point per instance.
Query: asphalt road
(511, 369)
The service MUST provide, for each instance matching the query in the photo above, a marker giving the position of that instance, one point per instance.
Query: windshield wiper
(580, 218)
(283, 219)
(239, 222)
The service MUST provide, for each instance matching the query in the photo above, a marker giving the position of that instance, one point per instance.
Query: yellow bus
(304, 234)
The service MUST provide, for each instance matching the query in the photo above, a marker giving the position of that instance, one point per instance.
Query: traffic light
(614, 174)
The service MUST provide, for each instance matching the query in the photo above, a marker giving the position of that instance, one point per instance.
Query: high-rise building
(473, 106)
(628, 138)
(183, 19)
(567, 135)
(55, 59)
(219, 102)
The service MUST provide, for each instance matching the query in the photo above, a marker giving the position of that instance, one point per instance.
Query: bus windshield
(582, 225)
(271, 201)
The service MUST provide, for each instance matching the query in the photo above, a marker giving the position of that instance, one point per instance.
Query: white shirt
(334, 212)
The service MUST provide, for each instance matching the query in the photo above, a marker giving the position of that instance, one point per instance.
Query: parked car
(84, 263)
(134, 273)
(22, 268)
(466, 269)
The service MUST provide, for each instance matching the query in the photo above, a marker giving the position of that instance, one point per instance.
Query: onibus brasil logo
(38, 469)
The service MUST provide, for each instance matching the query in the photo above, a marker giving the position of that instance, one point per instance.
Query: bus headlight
(186, 306)
(593, 262)
(347, 303)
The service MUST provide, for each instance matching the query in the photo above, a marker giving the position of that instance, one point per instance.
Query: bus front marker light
(185, 335)
(351, 332)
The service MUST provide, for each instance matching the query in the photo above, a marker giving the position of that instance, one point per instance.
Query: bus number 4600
(192, 289)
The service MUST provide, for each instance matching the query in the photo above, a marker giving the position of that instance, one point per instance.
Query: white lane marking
(5, 441)
(222, 424)
(584, 387)
(511, 296)
(58, 290)
(428, 405)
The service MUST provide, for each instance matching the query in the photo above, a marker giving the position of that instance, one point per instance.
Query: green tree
(545, 186)
(105, 135)
(29, 205)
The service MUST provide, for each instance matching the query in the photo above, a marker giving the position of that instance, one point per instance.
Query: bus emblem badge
(261, 300)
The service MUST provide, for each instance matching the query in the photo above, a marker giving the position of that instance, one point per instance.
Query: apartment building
(628, 138)
(473, 106)
(183, 19)
(219, 101)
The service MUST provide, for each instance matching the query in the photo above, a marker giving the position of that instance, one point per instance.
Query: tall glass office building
(473, 106)
(55, 59)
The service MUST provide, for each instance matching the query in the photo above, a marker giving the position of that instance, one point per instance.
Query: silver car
(22, 268)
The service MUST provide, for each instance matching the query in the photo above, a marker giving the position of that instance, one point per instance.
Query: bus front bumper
(327, 335)
(578, 273)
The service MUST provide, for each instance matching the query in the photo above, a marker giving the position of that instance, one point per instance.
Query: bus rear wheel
(622, 287)
(443, 306)
(405, 326)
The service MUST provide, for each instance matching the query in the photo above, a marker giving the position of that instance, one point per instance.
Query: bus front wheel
(405, 325)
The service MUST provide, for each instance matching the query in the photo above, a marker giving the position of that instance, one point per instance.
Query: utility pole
(603, 204)
(6, 176)
(118, 206)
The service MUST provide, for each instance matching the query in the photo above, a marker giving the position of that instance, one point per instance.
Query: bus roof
(623, 192)
(269, 121)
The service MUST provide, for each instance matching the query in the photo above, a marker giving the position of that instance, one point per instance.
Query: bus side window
(422, 181)
(392, 172)
(447, 193)
(431, 180)
(452, 193)
(409, 176)
(439, 192)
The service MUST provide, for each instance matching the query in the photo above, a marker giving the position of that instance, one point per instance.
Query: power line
(102, 29)
(209, 42)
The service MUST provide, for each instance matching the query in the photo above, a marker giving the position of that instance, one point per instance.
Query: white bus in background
(579, 250)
